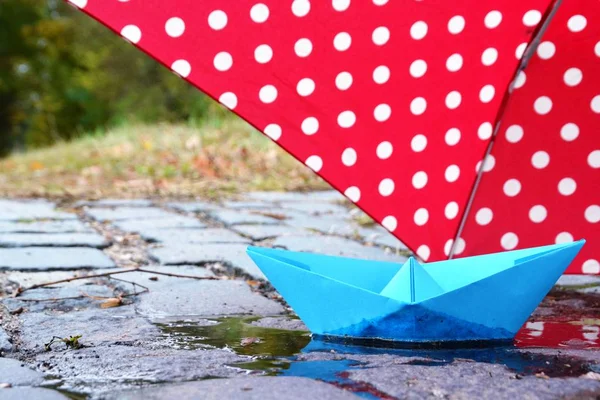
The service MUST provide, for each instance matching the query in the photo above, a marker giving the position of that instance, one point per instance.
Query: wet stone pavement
(180, 311)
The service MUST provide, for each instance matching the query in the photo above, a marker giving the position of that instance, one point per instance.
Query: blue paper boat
(483, 298)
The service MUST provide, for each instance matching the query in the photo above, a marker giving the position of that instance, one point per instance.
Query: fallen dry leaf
(249, 341)
(592, 375)
(112, 302)
(542, 375)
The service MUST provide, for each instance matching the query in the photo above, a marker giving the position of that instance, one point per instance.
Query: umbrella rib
(529, 52)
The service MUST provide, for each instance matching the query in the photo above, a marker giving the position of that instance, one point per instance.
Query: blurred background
(85, 114)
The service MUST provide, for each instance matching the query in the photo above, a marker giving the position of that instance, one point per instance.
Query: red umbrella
(397, 103)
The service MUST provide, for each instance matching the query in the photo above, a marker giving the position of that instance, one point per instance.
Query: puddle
(275, 351)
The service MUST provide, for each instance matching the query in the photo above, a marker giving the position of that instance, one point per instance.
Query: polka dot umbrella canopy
(463, 127)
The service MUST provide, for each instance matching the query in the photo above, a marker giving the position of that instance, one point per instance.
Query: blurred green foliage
(63, 74)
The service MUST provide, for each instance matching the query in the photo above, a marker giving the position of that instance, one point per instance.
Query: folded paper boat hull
(470, 299)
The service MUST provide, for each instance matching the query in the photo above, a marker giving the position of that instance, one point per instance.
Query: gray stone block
(5, 343)
(317, 208)
(211, 235)
(205, 298)
(16, 373)
(173, 222)
(44, 226)
(125, 213)
(25, 393)
(248, 388)
(261, 232)
(382, 238)
(47, 258)
(247, 205)
(53, 240)
(229, 217)
(116, 203)
(27, 210)
(193, 207)
(233, 254)
(281, 323)
(162, 281)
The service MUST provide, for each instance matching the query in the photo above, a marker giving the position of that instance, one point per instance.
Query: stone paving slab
(25, 393)
(47, 258)
(281, 323)
(6, 345)
(329, 224)
(210, 235)
(233, 254)
(337, 246)
(248, 205)
(160, 282)
(66, 226)
(382, 238)
(115, 203)
(76, 297)
(27, 210)
(313, 208)
(125, 213)
(578, 280)
(173, 222)
(16, 373)
(205, 298)
(229, 217)
(53, 240)
(262, 232)
(319, 196)
(193, 207)
(250, 388)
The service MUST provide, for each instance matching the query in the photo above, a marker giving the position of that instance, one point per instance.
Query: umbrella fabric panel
(544, 186)
(392, 102)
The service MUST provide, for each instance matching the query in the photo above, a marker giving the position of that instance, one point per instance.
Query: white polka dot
(591, 267)
(217, 20)
(273, 131)
(384, 150)
(485, 131)
(132, 33)
(424, 252)
(509, 241)
(418, 106)
(343, 80)
(381, 35)
(493, 19)
(540, 159)
(489, 56)
(452, 136)
(451, 210)
(419, 180)
(573, 76)
(514, 133)
(229, 100)
(519, 80)
(569, 132)
(532, 18)
(175, 27)
(592, 214)
(382, 112)
(454, 62)
(79, 3)
(418, 68)
(594, 159)
(486, 94)
(577, 23)
(418, 143)
(520, 50)
(538, 213)
(453, 100)
(305, 87)
(380, 2)
(349, 157)
(546, 50)
(484, 216)
(182, 68)
(489, 162)
(386, 187)
(595, 104)
(459, 248)
(346, 119)
(353, 193)
(563, 237)
(268, 94)
(223, 61)
(452, 173)
(259, 13)
(512, 187)
(567, 186)
(390, 223)
(300, 8)
(418, 30)
(597, 49)
(303, 47)
(542, 105)
(340, 5)
(263, 54)
(310, 126)
(314, 162)
(456, 24)
(448, 246)
(421, 216)
(342, 41)
(381, 74)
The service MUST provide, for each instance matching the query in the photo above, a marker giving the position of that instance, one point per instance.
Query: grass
(216, 159)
